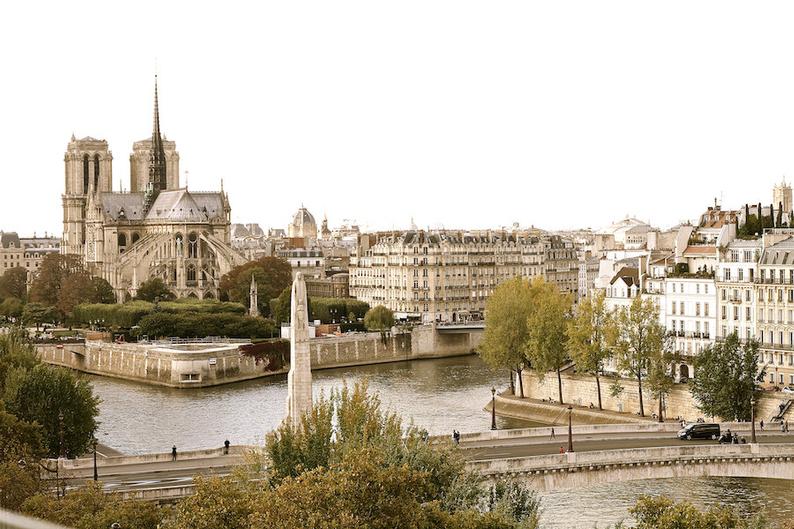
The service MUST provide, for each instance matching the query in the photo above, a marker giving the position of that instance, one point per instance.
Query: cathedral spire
(157, 163)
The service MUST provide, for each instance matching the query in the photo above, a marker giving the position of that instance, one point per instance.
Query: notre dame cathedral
(158, 229)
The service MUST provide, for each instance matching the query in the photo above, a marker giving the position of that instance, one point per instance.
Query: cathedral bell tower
(88, 172)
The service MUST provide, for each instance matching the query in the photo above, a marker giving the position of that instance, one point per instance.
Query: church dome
(303, 225)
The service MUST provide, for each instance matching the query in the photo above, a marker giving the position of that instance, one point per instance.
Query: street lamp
(493, 408)
(752, 419)
(93, 444)
(570, 428)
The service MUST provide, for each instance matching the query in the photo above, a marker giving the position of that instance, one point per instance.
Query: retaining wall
(581, 390)
(214, 364)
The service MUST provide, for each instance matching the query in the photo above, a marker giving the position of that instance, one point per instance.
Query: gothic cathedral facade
(157, 229)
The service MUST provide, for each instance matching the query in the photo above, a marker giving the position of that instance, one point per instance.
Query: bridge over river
(604, 453)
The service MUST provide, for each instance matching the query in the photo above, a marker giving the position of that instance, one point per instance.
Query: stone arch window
(192, 248)
(192, 295)
(209, 295)
(135, 237)
(191, 274)
(85, 174)
(96, 172)
(122, 239)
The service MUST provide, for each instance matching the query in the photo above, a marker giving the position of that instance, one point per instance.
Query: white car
(787, 389)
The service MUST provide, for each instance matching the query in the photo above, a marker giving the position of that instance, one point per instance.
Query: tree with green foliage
(21, 448)
(728, 376)
(38, 313)
(639, 337)
(547, 339)
(663, 513)
(590, 332)
(11, 308)
(46, 286)
(154, 289)
(14, 283)
(57, 399)
(379, 319)
(506, 332)
(81, 287)
(90, 507)
(272, 275)
(660, 379)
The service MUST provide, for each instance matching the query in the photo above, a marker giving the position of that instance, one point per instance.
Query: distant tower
(88, 171)
(299, 379)
(253, 295)
(781, 194)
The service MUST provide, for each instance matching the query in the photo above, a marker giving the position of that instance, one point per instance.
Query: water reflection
(437, 394)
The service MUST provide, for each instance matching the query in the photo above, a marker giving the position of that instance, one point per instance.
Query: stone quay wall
(201, 365)
(581, 390)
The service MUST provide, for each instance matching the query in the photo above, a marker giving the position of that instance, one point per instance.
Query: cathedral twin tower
(157, 229)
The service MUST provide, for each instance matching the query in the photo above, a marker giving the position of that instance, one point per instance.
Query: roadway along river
(438, 394)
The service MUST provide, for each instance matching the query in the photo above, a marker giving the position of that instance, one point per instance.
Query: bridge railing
(630, 456)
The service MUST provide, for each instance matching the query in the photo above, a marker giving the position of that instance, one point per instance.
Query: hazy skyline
(456, 114)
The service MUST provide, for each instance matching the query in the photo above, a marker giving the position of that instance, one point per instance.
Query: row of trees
(533, 324)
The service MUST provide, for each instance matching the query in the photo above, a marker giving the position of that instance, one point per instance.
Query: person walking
(786, 426)
(762, 425)
(562, 450)
(552, 436)
(173, 453)
(226, 444)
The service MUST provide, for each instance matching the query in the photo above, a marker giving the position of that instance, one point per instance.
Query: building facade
(25, 252)
(444, 275)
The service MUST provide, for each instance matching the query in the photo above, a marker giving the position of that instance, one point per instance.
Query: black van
(700, 430)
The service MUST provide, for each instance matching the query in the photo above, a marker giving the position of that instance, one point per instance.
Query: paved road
(173, 473)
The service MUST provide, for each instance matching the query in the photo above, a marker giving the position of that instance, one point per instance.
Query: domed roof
(303, 224)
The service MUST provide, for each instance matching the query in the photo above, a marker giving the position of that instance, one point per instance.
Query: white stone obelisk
(299, 379)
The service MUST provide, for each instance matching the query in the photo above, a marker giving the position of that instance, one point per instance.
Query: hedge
(129, 314)
(199, 325)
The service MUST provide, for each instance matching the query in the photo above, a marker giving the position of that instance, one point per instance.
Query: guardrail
(596, 460)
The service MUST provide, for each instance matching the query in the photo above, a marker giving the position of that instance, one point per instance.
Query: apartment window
(706, 288)
(741, 274)
(727, 274)
(673, 307)
(697, 288)
(747, 313)
(724, 312)
(673, 285)
(735, 313)
(681, 308)
(748, 295)
(723, 294)
(735, 296)
(763, 274)
(782, 275)
(752, 275)
(790, 295)
(779, 294)
(697, 309)
(706, 309)
(697, 327)
(781, 378)
(747, 334)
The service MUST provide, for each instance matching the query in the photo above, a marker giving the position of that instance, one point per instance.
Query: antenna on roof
(187, 174)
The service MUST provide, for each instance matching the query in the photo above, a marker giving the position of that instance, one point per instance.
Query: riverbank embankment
(210, 364)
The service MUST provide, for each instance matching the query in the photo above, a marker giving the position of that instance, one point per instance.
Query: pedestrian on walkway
(552, 434)
(226, 444)
(786, 426)
(173, 453)
(562, 450)
(762, 425)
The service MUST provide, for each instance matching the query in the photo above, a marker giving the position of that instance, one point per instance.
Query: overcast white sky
(458, 114)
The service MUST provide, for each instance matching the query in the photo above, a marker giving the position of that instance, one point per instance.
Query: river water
(439, 395)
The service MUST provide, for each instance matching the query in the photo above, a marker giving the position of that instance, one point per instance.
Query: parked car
(700, 430)
(788, 389)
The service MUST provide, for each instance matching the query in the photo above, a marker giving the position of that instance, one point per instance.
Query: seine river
(440, 395)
